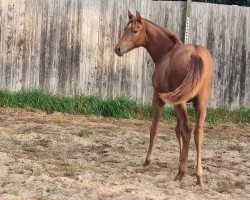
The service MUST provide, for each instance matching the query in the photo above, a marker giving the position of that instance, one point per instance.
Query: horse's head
(134, 35)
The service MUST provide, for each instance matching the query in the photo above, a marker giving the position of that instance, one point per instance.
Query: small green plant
(144, 141)
(70, 171)
(14, 192)
(85, 133)
(2, 184)
(16, 160)
(17, 142)
(191, 169)
(217, 139)
(45, 164)
(213, 139)
(236, 147)
(38, 171)
(54, 189)
(167, 137)
(129, 139)
(225, 187)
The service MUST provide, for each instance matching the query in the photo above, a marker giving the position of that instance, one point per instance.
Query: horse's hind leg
(178, 132)
(185, 132)
(200, 115)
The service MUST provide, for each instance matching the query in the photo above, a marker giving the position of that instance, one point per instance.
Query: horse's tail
(190, 85)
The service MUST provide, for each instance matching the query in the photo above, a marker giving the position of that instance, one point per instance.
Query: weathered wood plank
(67, 47)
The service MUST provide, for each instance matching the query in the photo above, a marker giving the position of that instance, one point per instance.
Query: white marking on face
(129, 25)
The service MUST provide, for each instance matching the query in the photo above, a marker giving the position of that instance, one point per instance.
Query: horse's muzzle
(119, 50)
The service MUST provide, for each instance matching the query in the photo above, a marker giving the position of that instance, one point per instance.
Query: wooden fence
(66, 47)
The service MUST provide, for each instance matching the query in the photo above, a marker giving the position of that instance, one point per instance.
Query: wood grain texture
(66, 47)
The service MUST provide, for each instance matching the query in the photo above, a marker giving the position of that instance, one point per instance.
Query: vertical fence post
(188, 10)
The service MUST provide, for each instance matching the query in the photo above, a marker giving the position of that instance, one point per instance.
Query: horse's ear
(129, 15)
(138, 16)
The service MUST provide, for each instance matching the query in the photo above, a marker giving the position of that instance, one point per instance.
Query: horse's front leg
(157, 112)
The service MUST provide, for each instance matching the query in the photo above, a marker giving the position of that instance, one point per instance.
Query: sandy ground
(42, 156)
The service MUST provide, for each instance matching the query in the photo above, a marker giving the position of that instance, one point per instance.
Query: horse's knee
(198, 133)
(198, 129)
(178, 132)
(189, 128)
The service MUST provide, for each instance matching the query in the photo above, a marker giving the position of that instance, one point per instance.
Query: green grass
(144, 141)
(85, 133)
(36, 99)
(213, 139)
(121, 107)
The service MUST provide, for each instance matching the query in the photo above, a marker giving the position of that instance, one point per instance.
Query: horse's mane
(173, 36)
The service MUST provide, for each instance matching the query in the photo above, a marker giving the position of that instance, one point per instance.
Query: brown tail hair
(190, 85)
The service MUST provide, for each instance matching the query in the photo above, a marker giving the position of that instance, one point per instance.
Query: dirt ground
(58, 156)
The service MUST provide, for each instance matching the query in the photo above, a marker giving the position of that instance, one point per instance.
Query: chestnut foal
(183, 73)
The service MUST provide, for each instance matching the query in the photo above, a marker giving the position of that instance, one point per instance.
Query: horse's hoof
(199, 182)
(146, 163)
(178, 177)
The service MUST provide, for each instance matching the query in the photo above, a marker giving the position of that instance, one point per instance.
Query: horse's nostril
(118, 49)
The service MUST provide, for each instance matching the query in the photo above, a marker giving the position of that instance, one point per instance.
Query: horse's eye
(135, 31)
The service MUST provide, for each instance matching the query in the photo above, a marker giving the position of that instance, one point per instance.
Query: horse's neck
(159, 41)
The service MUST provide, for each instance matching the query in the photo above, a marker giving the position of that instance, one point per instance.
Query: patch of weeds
(191, 170)
(73, 170)
(105, 170)
(245, 158)
(240, 185)
(247, 150)
(129, 139)
(2, 184)
(14, 192)
(84, 133)
(45, 164)
(213, 139)
(225, 187)
(53, 190)
(236, 147)
(155, 174)
(246, 153)
(17, 142)
(129, 190)
(17, 160)
(144, 141)
(38, 171)
(70, 171)
(167, 137)
(112, 195)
